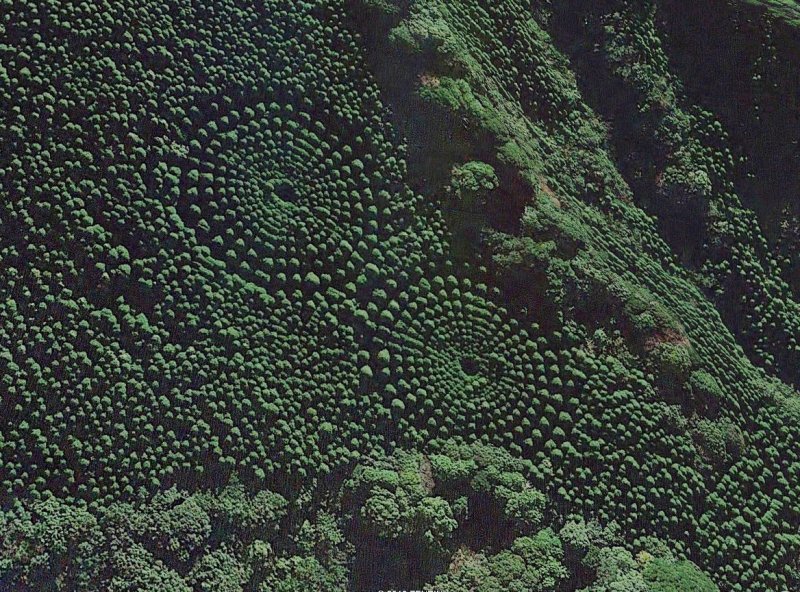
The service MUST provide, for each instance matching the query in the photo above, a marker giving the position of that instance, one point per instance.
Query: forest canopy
(362, 294)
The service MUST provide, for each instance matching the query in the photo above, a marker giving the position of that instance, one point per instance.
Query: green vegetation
(175, 541)
(787, 10)
(232, 541)
(370, 294)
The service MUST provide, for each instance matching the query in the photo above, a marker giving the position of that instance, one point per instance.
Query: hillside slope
(252, 251)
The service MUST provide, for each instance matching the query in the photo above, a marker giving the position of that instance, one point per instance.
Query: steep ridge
(679, 162)
(503, 103)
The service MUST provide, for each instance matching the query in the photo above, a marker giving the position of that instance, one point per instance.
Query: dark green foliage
(298, 574)
(228, 274)
(719, 442)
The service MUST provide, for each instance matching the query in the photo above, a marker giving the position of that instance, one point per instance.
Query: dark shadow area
(438, 138)
(406, 563)
(485, 530)
(745, 68)
(577, 30)
(391, 565)
(470, 366)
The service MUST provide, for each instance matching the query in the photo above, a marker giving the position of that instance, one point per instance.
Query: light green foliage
(532, 563)
(394, 501)
(175, 541)
(681, 576)
(422, 33)
(471, 182)
(51, 546)
(385, 6)
(785, 9)
(453, 93)
(685, 186)
(705, 390)
(469, 198)
(673, 360)
(582, 537)
(525, 507)
(298, 574)
(518, 253)
(177, 524)
(617, 570)
(218, 570)
(135, 569)
(426, 507)
(613, 244)
(233, 506)
(720, 442)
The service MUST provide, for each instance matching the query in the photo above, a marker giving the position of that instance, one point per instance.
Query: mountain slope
(265, 242)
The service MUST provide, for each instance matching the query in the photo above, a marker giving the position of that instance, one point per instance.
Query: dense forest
(333, 295)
